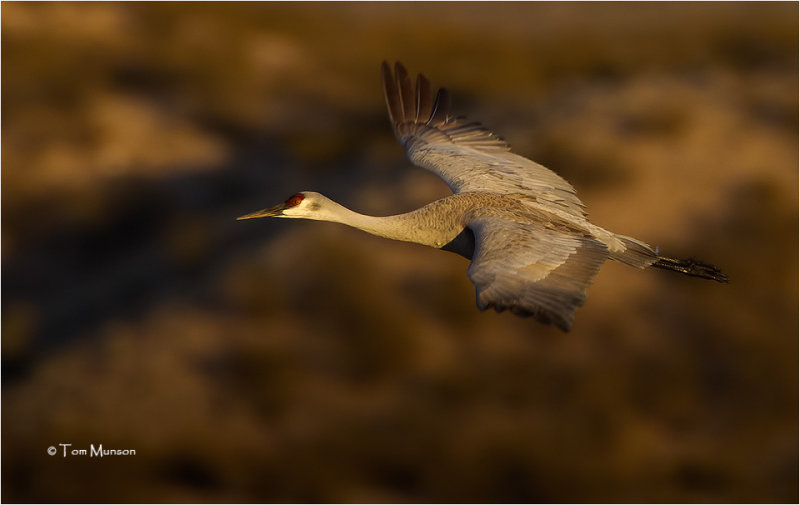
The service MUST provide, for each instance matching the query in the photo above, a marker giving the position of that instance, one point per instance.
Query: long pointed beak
(270, 212)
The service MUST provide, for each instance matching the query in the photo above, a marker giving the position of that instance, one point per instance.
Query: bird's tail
(691, 267)
(640, 255)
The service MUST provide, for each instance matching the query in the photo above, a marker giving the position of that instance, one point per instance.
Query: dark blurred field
(291, 361)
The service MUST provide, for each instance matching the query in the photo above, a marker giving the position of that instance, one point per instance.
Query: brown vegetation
(282, 361)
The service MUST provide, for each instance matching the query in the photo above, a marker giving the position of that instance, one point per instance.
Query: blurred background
(285, 361)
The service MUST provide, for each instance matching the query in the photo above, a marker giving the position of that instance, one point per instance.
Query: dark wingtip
(385, 69)
(563, 323)
(400, 69)
(391, 95)
(423, 99)
(441, 107)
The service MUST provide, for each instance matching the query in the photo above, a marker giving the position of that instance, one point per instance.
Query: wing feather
(424, 99)
(392, 96)
(466, 155)
(531, 269)
(440, 108)
(408, 106)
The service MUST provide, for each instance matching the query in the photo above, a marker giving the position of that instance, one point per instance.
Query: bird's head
(306, 204)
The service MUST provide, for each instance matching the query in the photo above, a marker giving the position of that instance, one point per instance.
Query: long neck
(427, 225)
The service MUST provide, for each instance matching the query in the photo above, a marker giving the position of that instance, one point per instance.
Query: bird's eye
(294, 200)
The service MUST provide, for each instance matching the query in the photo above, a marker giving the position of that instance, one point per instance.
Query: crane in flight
(532, 249)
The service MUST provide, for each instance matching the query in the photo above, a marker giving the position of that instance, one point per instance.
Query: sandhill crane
(533, 251)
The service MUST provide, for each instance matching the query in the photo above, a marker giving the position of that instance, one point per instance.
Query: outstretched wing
(467, 156)
(532, 268)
